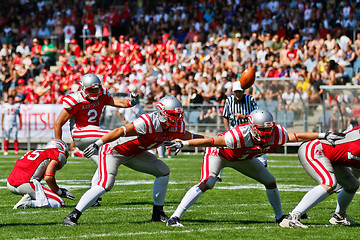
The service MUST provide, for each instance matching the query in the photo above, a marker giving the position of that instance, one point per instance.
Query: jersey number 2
(92, 113)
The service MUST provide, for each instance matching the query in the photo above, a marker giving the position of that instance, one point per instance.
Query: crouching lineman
(128, 145)
(328, 165)
(30, 169)
(240, 148)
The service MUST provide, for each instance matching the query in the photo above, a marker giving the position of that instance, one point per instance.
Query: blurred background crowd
(193, 50)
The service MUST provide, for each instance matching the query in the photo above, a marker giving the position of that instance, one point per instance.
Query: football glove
(332, 137)
(90, 150)
(134, 98)
(66, 194)
(177, 146)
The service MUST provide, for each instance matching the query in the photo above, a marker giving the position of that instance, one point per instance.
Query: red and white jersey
(346, 152)
(33, 165)
(11, 113)
(85, 112)
(151, 135)
(240, 145)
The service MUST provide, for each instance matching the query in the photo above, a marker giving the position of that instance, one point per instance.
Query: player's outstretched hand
(332, 137)
(90, 150)
(134, 98)
(66, 194)
(177, 146)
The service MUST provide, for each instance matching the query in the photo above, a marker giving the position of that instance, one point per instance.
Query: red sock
(169, 151)
(16, 145)
(6, 145)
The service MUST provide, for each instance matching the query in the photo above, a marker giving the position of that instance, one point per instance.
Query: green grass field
(236, 208)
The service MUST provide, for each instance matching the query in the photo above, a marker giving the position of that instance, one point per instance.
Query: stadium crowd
(191, 50)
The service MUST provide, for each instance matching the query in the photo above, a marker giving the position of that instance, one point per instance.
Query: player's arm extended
(206, 142)
(63, 117)
(189, 136)
(125, 103)
(308, 136)
(118, 102)
(124, 131)
(49, 176)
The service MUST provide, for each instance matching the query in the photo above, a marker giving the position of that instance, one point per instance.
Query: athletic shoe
(6, 153)
(304, 216)
(292, 221)
(71, 219)
(16, 153)
(174, 221)
(342, 219)
(25, 202)
(280, 219)
(158, 214)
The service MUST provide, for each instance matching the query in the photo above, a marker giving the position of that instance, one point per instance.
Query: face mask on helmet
(61, 145)
(262, 125)
(91, 86)
(170, 111)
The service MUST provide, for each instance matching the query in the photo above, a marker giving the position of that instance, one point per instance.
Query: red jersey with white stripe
(151, 135)
(240, 145)
(33, 165)
(85, 112)
(346, 152)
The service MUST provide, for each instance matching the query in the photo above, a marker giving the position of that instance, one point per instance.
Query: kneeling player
(32, 168)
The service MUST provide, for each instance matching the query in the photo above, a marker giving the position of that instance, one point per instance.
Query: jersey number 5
(34, 155)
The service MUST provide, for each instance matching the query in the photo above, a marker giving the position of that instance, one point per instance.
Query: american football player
(84, 109)
(240, 149)
(128, 145)
(9, 123)
(329, 165)
(34, 166)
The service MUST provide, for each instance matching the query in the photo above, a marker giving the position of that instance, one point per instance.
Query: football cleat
(6, 153)
(174, 221)
(25, 202)
(279, 220)
(16, 153)
(71, 219)
(342, 219)
(292, 221)
(159, 214)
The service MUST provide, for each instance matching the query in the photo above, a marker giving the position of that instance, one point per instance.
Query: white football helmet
(170, 111)
(262, 125)
(91, 86)
(61, 145)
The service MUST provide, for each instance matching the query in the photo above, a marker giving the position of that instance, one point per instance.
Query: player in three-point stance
(9, 123)
(328, 165)
(34, 166)
(240, 148)
(128, 145)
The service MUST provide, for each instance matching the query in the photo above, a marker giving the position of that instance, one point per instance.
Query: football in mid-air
(247, 78)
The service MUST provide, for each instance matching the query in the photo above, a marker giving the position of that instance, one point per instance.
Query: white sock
(159, 190)
(41, 199)
(343, 201)
(311, 198)
(52, 203)
(274, 199)
(90, 197)
(188, 200)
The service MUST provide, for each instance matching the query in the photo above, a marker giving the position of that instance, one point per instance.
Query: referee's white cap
(237, 86)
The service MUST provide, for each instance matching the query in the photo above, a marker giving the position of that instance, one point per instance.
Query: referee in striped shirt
(237, 107)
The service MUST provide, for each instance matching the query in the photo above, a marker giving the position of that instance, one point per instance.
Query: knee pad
(210, 183)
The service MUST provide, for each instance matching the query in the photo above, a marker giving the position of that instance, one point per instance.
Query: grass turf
(237, 208)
